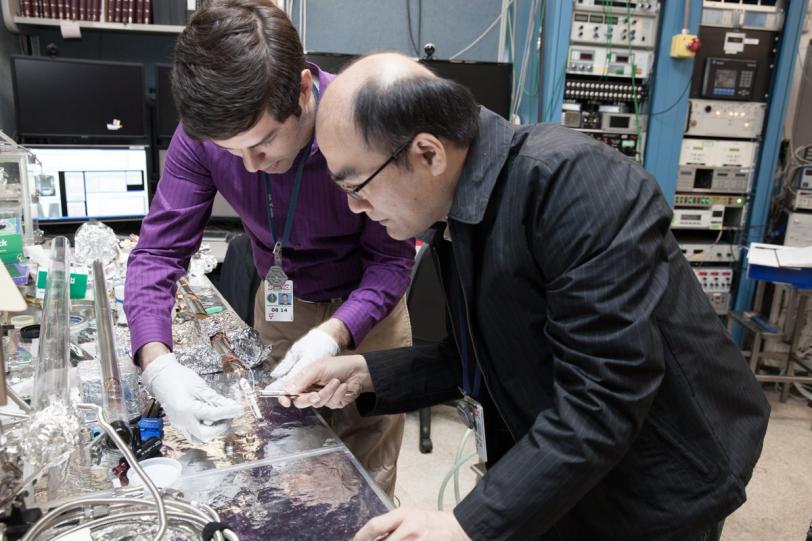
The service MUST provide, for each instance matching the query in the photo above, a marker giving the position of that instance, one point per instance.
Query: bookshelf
(19, 24)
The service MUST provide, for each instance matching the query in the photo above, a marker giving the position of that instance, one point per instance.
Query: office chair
(239, 280)
(426, 301)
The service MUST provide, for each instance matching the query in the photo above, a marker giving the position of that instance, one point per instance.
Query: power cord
(419, 24)
(455, 470)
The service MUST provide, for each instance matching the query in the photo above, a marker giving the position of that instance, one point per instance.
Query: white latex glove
(316, 344)
(194, 409)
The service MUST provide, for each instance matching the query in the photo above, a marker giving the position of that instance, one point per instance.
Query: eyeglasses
(353, 192)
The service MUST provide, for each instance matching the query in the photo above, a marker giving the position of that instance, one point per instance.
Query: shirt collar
(486, 156)
(324, 79)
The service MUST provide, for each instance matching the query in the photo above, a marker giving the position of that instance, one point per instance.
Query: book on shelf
(114, 11)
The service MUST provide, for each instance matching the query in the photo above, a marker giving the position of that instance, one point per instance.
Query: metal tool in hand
(276, 277)
(277, 394)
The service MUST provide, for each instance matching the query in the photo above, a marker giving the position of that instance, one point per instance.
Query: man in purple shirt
(247, 103)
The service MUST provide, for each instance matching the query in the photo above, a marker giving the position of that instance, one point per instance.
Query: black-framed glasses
(353, 192)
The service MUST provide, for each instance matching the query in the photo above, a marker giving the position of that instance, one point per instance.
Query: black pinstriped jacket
(630, 414)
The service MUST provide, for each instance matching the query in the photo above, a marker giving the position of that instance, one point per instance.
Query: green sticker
(11, 248)
(78, 284)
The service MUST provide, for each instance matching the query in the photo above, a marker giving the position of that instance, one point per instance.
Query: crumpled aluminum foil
(246, 344)
(229, 321)
(94, 240)
(187, 334)
(50, 436)
(201, 358)
(210, 327)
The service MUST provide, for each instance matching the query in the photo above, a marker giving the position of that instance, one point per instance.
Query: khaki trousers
(375, 441)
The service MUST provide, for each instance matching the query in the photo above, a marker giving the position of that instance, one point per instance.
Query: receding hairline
(384, 70)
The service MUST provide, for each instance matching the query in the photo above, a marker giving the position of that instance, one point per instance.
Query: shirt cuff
(151, 329)
(356, 316)
(473, 517)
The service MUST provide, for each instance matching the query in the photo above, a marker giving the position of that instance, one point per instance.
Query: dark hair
(233, 61)
(387, 116)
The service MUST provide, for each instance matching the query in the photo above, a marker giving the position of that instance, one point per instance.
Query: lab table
(285, 475)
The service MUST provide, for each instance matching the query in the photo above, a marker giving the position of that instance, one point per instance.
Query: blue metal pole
(770, 145)
(668, 104)
(555, 39)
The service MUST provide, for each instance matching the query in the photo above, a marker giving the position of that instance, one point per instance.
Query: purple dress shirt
(332, 252)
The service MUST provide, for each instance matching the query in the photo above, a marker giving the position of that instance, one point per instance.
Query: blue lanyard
(297, 184)
(294, 199)
(466, 357)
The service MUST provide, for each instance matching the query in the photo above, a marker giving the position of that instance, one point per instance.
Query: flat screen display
(78, 98)
(491, 83)
(79, 183)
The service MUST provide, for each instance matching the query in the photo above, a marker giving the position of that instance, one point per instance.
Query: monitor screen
(165, 104)
(80, 183)
(490, 82)
(78, 98)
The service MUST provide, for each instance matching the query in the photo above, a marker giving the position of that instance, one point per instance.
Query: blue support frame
(770, 145)
(555, 40)
(668, 104)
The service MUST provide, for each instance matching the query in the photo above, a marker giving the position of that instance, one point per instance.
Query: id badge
(473, 415)
(279, 301)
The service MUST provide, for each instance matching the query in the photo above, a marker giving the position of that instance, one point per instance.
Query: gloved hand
(316, 344)
(196, 410)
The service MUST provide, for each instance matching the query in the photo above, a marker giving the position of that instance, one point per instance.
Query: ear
(305, 87)
(430, 153)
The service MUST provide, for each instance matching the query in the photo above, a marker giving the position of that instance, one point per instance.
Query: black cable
(409, 24)
(673, 104)
(420, 23)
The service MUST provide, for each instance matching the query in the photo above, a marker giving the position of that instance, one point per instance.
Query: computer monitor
(78, 99)
(166, 111)
(490, 82)
(80, 183)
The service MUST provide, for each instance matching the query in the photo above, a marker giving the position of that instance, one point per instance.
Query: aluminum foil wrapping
(51, 435)
(210, 326)
(229, 321)
(122, 336)
(187, 334)
(11, 470)
(246, 344)
(281, 432)
(201, 358)
(192, 342)
(302, 497)
(94, 240)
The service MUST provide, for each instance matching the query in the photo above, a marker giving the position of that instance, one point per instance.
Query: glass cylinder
(51, 374)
